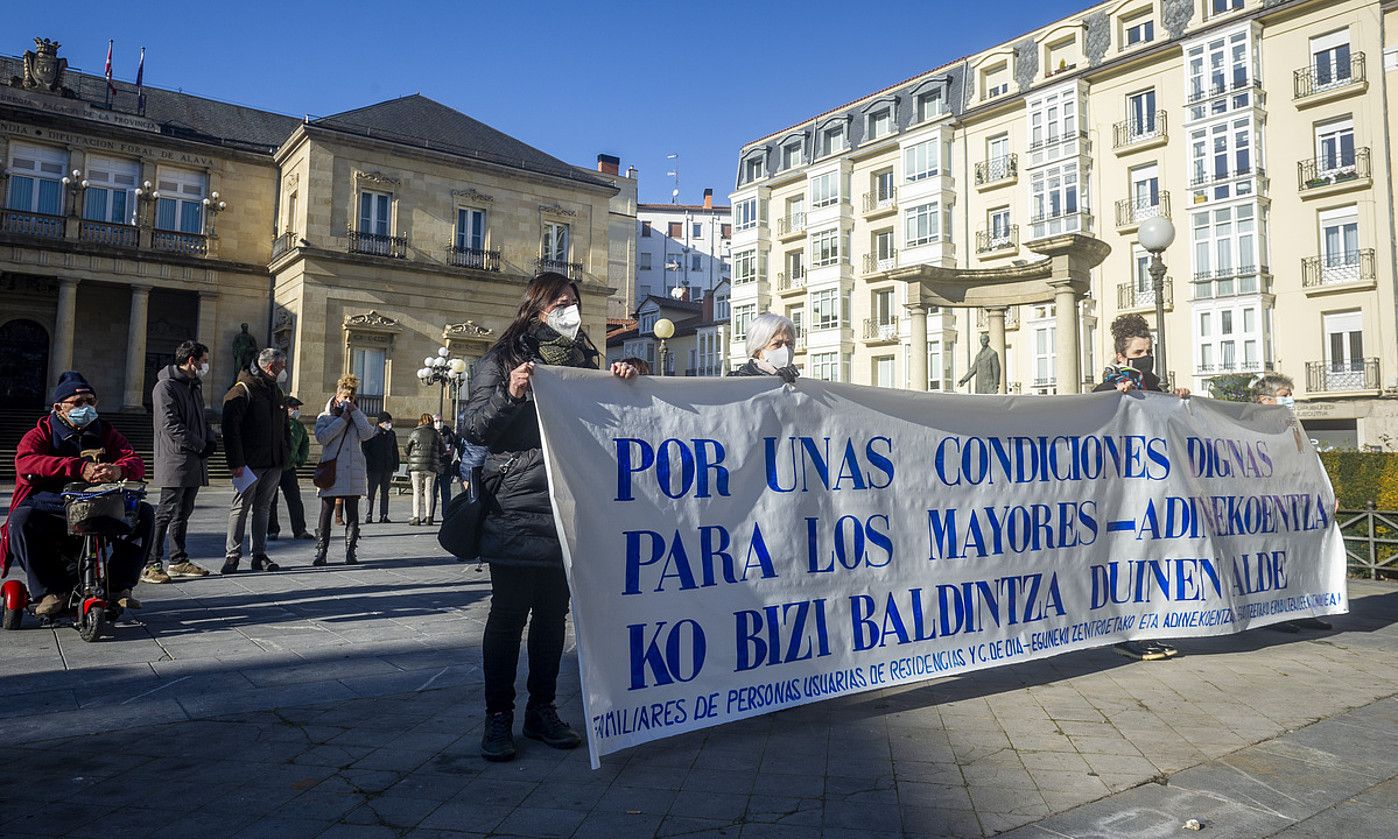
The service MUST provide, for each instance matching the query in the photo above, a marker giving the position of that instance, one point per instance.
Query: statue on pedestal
(244, 351)
(985, 368)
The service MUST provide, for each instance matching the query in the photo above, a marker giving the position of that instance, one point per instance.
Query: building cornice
(76, 125)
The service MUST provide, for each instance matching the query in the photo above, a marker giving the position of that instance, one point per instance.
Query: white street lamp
(1156, 235)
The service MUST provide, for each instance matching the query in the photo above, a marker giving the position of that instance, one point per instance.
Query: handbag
(324, 477)
(462, 518)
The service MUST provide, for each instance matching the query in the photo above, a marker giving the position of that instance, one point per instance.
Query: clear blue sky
(639, 80)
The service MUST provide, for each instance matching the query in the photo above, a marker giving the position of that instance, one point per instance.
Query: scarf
(558, 350)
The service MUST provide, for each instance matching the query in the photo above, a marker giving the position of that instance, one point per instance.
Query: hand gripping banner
(738, 546)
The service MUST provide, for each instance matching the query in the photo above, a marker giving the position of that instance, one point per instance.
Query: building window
(797, 315)
(1330, 56)
(795, 265)
(369, 364)
(744, 267)
(1137, 29)
(923, 225)
(881, 305)
(832, 139)
(1334, 146)
(1140, 273)
(1054, 195)
(1222, 153)
(825, 309)
(36, 179)
(938, 370)
(645, 230)
(1339, 244)
(676, 230)
(1344, 351)
(1053, 118)
(883, 248)
(1145, 190)
(922, 160)
(1217, 67)
(1225, 248)
(110, 189)
(883, 186)
(646, 322)
(793, 154)
(1140, 114)
(745, 214)
(1229, 339)
(1044, 357)
(696, 230)
(930, 105)
(1218, 7)
(999, 225)
(880, 123)
(1061, 55)
(825, 248)
(721, 306)
(180, 205)
(752, 168)
(726, 231)
(470, 229)
(696, 262)
(742, 318)
(995, 81)
(643, 260)
(825, 189)
(556, 244)
(825, 366)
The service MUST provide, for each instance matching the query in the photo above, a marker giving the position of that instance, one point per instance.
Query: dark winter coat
(518, 528)
(183, 436)
(381, 451)
(256, 429)
(1149, 381)
(300, 445)
(788, 374)
(424, 450)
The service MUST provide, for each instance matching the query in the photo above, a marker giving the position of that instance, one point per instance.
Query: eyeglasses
(80, 400)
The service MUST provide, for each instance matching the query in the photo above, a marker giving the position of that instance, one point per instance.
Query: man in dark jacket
(256, 439)
(446, 469)
(381, 460)
(290, 488)
(184, 439)
(70, 444)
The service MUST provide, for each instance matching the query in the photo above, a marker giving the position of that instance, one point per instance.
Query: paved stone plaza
(346, 701)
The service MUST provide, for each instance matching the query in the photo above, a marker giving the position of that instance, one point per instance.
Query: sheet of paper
(248, 478)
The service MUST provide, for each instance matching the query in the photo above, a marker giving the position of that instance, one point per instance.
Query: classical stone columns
(995, 321)
(917, 362)
(1066, 342)
(61, 352)
(133, 399)
(208, 323)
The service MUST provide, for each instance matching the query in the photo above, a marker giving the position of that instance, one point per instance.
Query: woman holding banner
(1135, 370)
(770, 343)
(518, 536)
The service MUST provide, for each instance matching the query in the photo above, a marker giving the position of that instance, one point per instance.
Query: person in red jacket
(70, 444)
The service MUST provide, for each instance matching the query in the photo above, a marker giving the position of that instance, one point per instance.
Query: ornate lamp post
(1157, 234)
(664, 329)
(212, 207)
(442, 371)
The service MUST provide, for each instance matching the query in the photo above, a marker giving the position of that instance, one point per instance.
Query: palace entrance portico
(1062, 278)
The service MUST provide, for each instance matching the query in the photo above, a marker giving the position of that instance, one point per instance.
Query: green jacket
(300, 445)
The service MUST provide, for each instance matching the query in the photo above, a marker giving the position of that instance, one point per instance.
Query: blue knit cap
(70, 384)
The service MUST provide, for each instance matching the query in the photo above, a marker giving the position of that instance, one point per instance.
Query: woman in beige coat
(341, 429)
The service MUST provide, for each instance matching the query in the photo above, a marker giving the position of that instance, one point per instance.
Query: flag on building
(140, 79)
(111, 86)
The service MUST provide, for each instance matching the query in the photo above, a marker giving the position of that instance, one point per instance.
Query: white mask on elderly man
(565, 321)
(779, 357)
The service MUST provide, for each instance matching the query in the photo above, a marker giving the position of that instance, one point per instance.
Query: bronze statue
(244, 351)
(985, 368)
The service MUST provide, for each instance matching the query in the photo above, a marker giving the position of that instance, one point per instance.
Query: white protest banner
(738, 546)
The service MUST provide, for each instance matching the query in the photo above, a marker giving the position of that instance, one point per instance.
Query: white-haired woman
(771, 340)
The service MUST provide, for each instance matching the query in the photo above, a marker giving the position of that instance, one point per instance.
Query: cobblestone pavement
(345, 701)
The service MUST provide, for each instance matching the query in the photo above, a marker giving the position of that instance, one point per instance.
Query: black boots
(351, 542)
(498, 742)
(322, 546)
(542, 723)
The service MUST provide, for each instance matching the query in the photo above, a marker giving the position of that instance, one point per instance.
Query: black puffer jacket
(788, 374)
(424, 450)
(518, 528)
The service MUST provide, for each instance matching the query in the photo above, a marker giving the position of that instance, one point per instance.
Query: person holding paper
(341, 430)
(518, 536)
(257, 443)
(771, 338)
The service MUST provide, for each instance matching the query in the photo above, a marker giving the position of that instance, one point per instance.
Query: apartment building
(682, 246)
(1260, 128)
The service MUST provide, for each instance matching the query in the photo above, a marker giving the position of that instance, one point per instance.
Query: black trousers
(172, 517)
(40, 543)
(378, 485)
(289, 489)
(443, 487)
(351, 516)
(540, 597)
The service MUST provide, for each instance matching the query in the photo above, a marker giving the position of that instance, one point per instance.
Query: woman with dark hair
(1135, 370)
(518, 537)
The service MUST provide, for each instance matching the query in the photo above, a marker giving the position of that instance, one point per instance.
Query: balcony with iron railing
(283, 244)
(1203, 179)
(107, 233)
(370, 403)
(790, 226)
(1138, 134)
(874, 263)
(477, 258)
(1342, 376)
(32, 225)
(1042, 225)
(1232, 366)
(995, 241)
(790, 281)
(1130, 212)
(1204, 94)
(1314, 84)
(1330, 174)
(378, 244)
(572, 270)
(998, 170)
(1232, 282)
(874, 203)
(1347, 269)
(881, 330)
(1131, 297)
(175, 241)
(1056, 139)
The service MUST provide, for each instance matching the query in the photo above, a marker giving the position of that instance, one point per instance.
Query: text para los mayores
(697, 467)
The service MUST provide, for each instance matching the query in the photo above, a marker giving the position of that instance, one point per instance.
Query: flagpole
(109, 72)
(140, 83)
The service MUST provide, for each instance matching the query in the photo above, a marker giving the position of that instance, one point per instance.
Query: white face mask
(779, 357)
(281, 377)
(203, 370)
(296, 414)
(386, 426)
(566, 321)
(1287, 402)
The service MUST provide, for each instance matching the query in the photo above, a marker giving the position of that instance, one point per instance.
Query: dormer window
(1220, 7)
(995, 80)
(1061, 56)
(832, 139)
(880, 123)
(647, 322)
(930, 104)
(752, 168)
(793, 154)
(1137, 28)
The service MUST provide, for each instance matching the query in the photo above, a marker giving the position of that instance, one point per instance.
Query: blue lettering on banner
(806, 455)
(695, 464)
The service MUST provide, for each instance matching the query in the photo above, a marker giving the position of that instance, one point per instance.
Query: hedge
(1361, 477)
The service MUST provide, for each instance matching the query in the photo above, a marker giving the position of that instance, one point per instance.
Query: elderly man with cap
(381, 460)
(289, 488)
(70, 444)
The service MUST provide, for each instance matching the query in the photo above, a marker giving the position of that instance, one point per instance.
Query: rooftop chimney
(708, 199)
(631, 172)
(608, 164)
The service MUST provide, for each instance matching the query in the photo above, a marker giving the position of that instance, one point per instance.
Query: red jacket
(39, 468)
